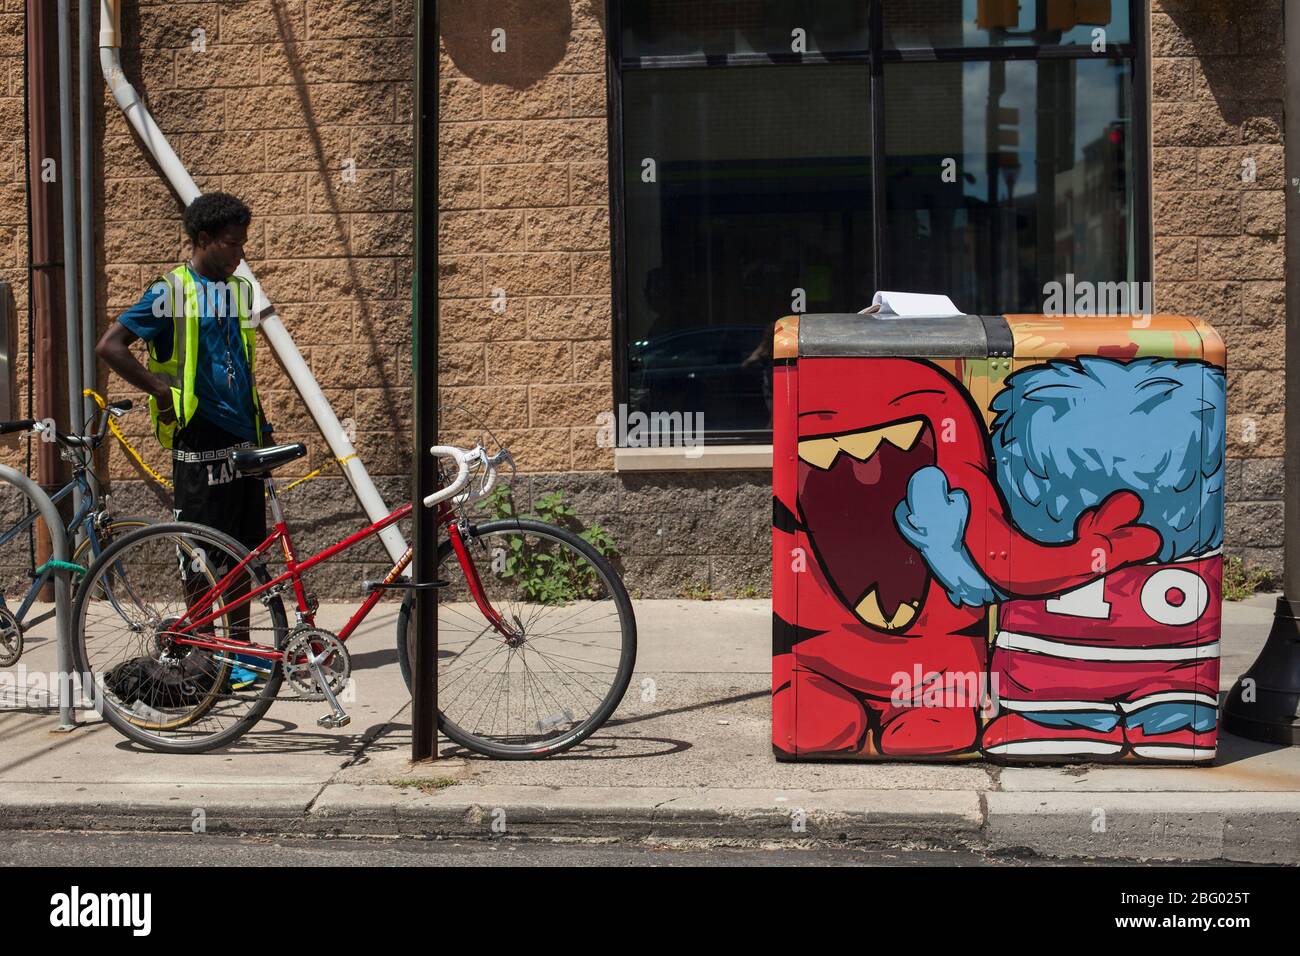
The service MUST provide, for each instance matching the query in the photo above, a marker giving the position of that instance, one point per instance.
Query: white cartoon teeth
(822, 452)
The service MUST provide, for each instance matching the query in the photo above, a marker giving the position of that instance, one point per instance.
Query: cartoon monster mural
(1098, 489)
(1130, 660)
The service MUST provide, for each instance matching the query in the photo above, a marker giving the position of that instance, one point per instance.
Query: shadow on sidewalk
(1233, 749)
(276, 736)
(703, 705)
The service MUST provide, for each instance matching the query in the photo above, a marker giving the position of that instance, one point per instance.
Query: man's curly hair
(213, 212)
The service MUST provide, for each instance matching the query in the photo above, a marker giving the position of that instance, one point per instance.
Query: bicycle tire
(117, 528)
(274, 606)
(627, 658)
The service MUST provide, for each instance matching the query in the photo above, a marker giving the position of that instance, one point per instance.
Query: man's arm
(114, 348)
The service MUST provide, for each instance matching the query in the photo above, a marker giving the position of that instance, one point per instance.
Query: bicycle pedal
(332, 722)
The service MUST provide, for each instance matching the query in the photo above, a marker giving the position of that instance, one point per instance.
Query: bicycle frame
(84, 516)
(295, 569)
(83, 480)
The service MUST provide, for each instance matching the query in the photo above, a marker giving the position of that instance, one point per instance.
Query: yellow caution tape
(317, 473)
(130, 450)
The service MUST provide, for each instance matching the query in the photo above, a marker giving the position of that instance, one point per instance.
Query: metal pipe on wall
(66, 182)
(277, 336)
(44, 244)
(86, 182)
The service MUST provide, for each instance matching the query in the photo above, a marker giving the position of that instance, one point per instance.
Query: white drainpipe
(137, 114)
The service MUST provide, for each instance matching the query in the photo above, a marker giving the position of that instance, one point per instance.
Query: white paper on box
(908, 305)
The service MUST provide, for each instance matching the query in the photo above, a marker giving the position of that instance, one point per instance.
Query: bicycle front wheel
(105, 535)
(131, 626)
(565, 658)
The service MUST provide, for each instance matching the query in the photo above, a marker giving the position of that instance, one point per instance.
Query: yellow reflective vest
(178, 368)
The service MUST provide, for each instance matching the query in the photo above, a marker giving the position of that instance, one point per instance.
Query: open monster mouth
(849, 485)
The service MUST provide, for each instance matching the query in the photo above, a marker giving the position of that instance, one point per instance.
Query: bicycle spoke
(161, 690)
(559, 663)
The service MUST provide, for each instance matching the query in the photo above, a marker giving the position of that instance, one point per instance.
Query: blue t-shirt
(221, 379)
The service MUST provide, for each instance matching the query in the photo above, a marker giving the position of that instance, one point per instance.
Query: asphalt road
(32, 848)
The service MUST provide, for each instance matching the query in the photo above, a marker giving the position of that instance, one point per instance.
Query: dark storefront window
(774, 156)
(1038, 151)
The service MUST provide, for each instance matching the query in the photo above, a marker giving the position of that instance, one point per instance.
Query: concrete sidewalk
(685, 756)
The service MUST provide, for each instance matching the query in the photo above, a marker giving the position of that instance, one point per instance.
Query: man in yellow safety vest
(202, 355)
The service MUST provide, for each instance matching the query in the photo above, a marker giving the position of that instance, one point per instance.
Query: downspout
(66, 176)
(264, 315)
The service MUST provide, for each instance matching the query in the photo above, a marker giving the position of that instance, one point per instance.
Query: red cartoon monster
(862, 629)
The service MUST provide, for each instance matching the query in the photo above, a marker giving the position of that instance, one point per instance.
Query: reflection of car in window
(703, 371)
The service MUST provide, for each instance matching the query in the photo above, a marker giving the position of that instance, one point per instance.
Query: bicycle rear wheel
(567, 657)
(171, 697)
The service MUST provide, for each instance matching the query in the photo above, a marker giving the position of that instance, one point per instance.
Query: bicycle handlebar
(465, 460)
(461, 458)
(492, 463)
(67, 439)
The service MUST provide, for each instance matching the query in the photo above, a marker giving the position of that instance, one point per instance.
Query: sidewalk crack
(366, 740)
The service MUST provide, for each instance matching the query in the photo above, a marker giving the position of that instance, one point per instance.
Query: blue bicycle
(93, 527)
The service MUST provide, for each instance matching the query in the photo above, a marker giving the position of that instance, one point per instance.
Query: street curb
(640, 812)
(1258, 827)
(1252, 827)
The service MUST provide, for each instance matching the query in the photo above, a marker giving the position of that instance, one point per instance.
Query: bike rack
(59, 541)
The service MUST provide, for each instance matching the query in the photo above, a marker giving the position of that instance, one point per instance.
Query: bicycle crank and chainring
(11, 639)
(325, 647)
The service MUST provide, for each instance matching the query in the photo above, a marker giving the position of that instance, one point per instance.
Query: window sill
(711, 458)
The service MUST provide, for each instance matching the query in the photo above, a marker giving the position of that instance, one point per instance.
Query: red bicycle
(537, 639)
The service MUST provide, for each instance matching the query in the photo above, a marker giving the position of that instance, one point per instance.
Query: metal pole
(67, 180)
(62, 616)
(1264, 704)
(86, 117)
(424, 684)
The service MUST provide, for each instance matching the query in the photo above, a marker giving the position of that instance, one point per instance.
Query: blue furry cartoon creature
(1126, 663)
(1129, 662)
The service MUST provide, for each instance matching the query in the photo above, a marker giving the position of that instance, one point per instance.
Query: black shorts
(207, 490)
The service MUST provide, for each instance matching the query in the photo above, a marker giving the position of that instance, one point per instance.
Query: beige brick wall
(13, 186)
(1217, 110)
(276, 105)
(273, 106)
(526, 212)
(1217, 88)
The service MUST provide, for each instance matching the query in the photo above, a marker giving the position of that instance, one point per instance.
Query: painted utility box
(997, 535)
